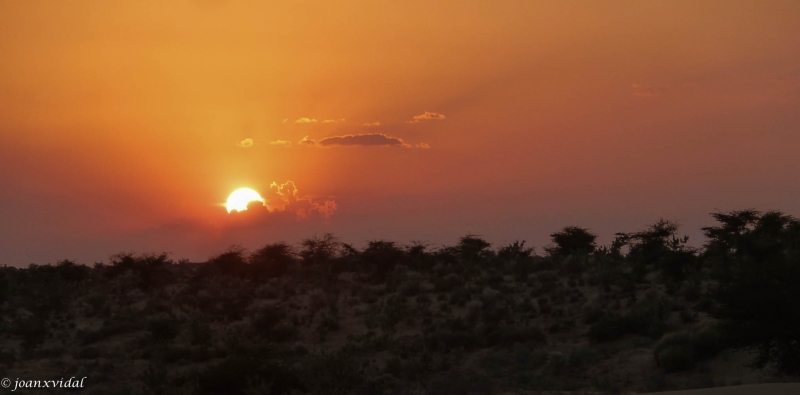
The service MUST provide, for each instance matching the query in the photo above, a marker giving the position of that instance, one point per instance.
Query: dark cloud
(370, 139)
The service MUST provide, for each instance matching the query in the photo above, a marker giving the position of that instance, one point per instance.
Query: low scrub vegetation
(324, 317)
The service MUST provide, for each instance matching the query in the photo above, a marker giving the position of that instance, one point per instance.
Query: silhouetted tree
(317, 250)
(758, 293)
(381, 257)
(519, 257)
(572, 240)
(272, 260)
(659, 246)
(473, 247)
(231, 262)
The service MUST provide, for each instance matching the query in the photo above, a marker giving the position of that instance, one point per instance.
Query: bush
(757, 257)
(671, 351)
(447, 283)
(647, 318)
(609, 327)
(163, 329)
(107, 331)
(334, 373)
(32, 330)
(507, 336)
(154, 379)
(557, 363)
(88, 353)
(199, 332)
(691, 291)
(675, 358)
(708, 343)
(461, 382)
(234, 375)
(688, 317)
(592, 314)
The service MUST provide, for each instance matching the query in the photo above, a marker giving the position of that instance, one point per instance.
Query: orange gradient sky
(124, 125)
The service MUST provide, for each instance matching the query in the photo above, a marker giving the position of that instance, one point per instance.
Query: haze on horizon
(125, 125)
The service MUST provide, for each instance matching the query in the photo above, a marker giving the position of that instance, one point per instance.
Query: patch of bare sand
(748, 389)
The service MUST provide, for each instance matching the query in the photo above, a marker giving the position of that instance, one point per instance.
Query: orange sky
(121, 123)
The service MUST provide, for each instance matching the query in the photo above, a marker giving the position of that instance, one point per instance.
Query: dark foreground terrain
(647, 313)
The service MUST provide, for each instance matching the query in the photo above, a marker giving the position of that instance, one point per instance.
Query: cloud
(369, 125)
(333, 121)
(282, 202)
(427, 115)
(246, 143)
(306, 120)
(283, 143)
(286, 120)
(422, 145)
(284, 197)
(371, 139)
(307, 141)
(648, 91)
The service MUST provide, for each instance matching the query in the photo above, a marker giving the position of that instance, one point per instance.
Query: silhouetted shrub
(572, 240)
(584, 356)
(608, 327)
(234, 375)
(7, 357)
(272, 260)
(173, 354)
(688, 316)
(675, 358)
(473, 248)
(88, 353)
(671, 351)
(708, 342)
(507, 335)
(199, 332)
(87, 337)
(381, 258)
(447, 283)
(71, 272)
(31, 329)
(232, 262)
(336, 373)
(468, 382)
(163, 329)
(460, 296)
(320, 250)
(756, 261)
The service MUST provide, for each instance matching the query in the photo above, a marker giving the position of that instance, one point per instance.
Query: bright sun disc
(239, 199)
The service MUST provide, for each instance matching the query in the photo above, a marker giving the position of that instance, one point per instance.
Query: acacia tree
(272, 260)
(659, 246)
(757, 292)
(572, 240)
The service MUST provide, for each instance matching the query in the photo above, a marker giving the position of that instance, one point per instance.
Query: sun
(239, 198)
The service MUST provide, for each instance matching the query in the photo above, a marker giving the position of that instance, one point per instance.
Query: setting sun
(239, 199)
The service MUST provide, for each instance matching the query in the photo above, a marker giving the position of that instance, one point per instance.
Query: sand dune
(750, 389)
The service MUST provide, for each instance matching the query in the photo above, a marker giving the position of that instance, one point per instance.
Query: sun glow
(239, 199)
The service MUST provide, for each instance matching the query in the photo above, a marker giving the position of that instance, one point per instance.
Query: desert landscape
(645, 314)
(400, 197)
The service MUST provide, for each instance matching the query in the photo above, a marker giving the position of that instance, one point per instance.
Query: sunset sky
(125, 125)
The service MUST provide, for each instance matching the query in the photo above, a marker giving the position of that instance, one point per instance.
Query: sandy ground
(750, 389)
